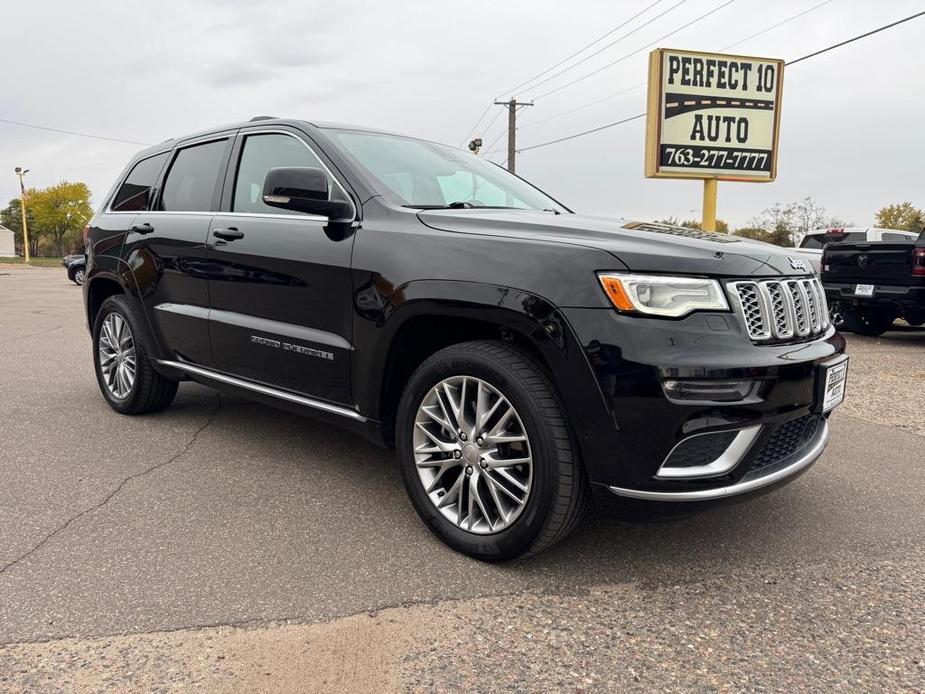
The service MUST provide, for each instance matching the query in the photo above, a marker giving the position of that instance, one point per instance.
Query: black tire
(560, 491)
(869, 322)
(915, 319)
(835, 315)
(150, 391)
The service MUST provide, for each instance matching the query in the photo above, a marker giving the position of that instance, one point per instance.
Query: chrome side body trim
(191, 310)
(723, 464)
(264, 390)
(746, 485)
(264, 325)
(278, 328)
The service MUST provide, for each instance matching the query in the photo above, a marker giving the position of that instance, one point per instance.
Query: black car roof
(257, 120)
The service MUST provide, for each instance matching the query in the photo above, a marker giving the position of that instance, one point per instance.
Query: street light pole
(22, 208)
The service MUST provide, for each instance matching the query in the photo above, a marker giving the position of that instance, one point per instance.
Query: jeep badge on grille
(797, 263)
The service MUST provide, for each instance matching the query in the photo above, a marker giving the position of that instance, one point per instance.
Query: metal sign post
(712, 116)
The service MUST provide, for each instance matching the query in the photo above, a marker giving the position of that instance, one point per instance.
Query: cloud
(229, 74)
(147, 71)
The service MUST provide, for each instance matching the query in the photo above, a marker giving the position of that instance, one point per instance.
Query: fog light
(713, 391)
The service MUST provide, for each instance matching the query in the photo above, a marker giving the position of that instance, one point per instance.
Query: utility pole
(22, 208)
(512, 128)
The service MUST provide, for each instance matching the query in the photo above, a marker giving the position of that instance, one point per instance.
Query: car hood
(640, 246)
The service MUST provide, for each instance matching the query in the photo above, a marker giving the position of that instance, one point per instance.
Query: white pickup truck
(812, 244)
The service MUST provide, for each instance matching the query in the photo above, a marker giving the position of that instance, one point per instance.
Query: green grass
(39, 262)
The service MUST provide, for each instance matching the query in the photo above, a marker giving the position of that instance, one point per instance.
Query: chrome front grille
(781, 309)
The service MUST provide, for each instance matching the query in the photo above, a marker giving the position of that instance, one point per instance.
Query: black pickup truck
(512, 351)
(869, 285)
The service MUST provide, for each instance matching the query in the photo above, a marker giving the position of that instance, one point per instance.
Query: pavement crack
(36, 334)
(109, 497)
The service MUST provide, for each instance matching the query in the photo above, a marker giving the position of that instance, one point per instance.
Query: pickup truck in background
(869, 285)
(812, 244)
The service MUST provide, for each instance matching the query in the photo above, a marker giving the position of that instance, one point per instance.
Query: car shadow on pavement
(618, 540)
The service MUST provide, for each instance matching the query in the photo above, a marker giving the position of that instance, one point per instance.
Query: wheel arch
(422, 317)
(99, 288)
(114, 277)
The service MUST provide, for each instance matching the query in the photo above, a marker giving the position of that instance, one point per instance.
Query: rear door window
(193, 177)
(135, 193)
(898, 238)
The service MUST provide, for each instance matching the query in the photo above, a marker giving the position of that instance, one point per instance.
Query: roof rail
(256, 118)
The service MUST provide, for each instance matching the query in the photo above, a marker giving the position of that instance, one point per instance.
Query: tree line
(787, 224)
(55, 216)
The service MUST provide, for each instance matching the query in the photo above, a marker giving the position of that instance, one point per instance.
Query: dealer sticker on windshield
(834, 377)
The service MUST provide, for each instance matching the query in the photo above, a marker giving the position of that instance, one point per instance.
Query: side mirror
(302, 189)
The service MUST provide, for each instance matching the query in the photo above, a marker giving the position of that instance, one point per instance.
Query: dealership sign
(713, 116)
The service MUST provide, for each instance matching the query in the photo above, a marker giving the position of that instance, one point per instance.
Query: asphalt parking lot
(225, 545)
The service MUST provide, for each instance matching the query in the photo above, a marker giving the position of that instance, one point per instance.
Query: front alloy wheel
(472, 454)
(485, 452)
(117, 356)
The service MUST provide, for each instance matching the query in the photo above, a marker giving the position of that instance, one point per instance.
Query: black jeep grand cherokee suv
(512, 351)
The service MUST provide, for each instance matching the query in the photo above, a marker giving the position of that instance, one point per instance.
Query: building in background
(7, 247)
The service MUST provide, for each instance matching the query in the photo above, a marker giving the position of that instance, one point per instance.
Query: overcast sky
(852, 134)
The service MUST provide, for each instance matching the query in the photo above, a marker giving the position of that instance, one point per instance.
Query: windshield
(421, 174)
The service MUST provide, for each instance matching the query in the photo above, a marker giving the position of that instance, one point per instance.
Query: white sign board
(713, 115)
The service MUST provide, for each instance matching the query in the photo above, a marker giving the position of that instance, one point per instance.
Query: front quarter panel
(532, 317)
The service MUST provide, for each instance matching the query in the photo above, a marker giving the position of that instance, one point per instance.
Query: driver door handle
(229, 234)
(142, 228)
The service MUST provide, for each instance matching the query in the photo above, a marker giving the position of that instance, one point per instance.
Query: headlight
(658, 295)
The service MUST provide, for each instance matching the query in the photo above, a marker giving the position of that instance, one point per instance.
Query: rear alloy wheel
(485, 453)
(117, 357)
(79, 277)
(124, 370)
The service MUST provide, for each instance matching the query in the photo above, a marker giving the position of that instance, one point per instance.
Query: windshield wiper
(458, 205)
(464, 205)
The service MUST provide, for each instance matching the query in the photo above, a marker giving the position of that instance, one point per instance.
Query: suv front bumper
(632, 357)
(752, 481)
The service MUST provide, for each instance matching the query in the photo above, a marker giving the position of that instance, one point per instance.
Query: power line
(492, 122)
(638, 50)
(565, 60)
(612, 43)
(774, 26)
(586, 47)
(474, 127)
(790, 62)
(856, 38)
(643, 84)
(586, 132)
(494, 142)
(73, 132)
(582, 108)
